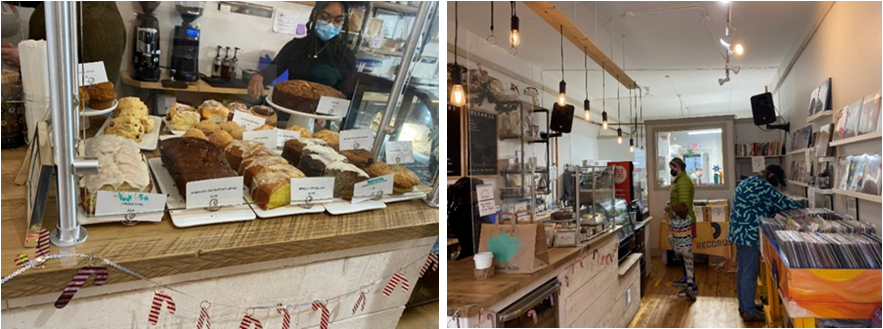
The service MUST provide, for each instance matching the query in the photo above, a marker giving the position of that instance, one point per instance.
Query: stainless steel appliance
(185, 45)
(145, 52)
(541, 300)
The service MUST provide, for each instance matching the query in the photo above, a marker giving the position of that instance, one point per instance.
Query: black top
(324, 69)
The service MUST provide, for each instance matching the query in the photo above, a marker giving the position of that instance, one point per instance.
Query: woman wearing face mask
(322, 56)
(682, 191)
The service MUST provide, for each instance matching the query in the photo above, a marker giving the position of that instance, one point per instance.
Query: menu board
(482, 143)
(455, 148)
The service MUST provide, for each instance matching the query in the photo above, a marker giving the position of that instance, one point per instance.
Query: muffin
(84, 97)
(304, 132)
(360, 158)
(195, 133)
(101, 95)
(264, 127)
(237, 133)
(265, 112)
(207, 126)
(127, 127)
(330, 137)
(220, 138)
(229, 126)
(404, 180)
(213, 110)
(131, 107)
(182, 117)
(345, 176)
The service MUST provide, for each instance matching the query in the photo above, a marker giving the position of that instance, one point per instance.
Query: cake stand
(302, 119)
(90, 112)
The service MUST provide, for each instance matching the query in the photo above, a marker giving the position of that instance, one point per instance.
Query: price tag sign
(487, 207)
(356, 139)
(523, 217)
(811, 195)
(758, 164)
(283, 135)
(312, 190)
(212, 193)
(117, 203)
(268, 137)
(400, 152)
(248, 121)
(332, 106)
(91, 73)
(485, 192)
(372, 188)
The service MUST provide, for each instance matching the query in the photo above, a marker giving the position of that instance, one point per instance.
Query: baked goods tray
(169, 124)
(342, 207)
(85, 219)
(148, 140)
(298, 113)
(413, 195)
(287, 210)
(90, 112)
(183, 217)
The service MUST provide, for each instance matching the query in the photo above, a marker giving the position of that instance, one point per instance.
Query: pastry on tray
(330, 137)
(195, 133)
(237, 133)
(192, 159)
(302, 96)
(220, 138)
(101, 95)
(229, 126)
(360, 158)
(293, 148)
(213, 110)
(404, 180)
(207, 126)
(147, 124)
(130, 107)
(345, 176)
(238, 150)
(304, 132)
(234, 107)
(316, 158)
(272, 189)
(182, 117)
(265, 112)
(259, 164)
(264, 127)
(127, 127)
(120, 168)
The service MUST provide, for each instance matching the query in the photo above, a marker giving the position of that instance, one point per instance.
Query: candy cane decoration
(552, 299)
(158, 299)
(393, 282)
(42, 243)
(532, 314)
(326, 315)
(360, 303)
(21, 260)
(286, 317)
(493, 319)
(431, 260)
(567, 281)
(580, 260)
(77, 282)
(248, 320)
(203, 318)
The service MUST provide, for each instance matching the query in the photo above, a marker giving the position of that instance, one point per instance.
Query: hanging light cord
(456, 28)
(561, 28)
(492, 18)
(618, 102)
(603, 88)
(586, 66)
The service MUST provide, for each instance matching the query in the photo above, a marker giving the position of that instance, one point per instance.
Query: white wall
(847, 48)
(610, 150)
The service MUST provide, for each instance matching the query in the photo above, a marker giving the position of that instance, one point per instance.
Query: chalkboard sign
(482, 150)
(455, 141)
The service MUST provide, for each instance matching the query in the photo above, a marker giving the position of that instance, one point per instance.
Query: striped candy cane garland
(203, 317)
(42, 243)
(248, 320)
(286, 317)
(326, 315)
(21, 260)
(532, 314)
(360, 303)
(158, 299)
(393, 282)
(79, 280)
(431, 260)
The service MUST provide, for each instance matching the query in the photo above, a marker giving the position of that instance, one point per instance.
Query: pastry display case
(595, 209)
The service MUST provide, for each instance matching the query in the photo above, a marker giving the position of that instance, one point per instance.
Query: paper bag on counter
(517, 247)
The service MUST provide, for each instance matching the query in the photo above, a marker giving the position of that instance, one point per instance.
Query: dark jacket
(302, 66)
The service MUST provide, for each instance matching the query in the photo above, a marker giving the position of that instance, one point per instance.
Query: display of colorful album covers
(853, 117)
(870, 113)
(821, 98)
(856, 172)
(840, 117)
(843, 175)
(871, 181)
(824, 139)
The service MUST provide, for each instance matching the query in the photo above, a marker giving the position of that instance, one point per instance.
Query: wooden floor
(421, 317)
(716, 305)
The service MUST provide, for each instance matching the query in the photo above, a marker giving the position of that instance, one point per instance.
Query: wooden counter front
(161, 249)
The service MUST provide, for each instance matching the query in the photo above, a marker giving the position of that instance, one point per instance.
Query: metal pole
(402, 75)
(61, 45)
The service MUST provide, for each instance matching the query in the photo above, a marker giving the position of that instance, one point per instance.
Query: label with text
(486, 207)
(211, 193)
(91, 73)
(356, 139)
(312, 190)
(400, 152)
(484, 192)
(248, 121)
(758, 164)
(118, 203)
(372, 188)
(284, 135)
(332, 106)
(268, 137)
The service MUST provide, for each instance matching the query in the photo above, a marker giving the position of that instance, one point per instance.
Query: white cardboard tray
(148, 141)
(288, 210)
(342, 207)
(413, 195)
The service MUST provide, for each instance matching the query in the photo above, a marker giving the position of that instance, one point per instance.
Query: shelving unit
(765, 156)
(798, 151)
(817, 116)
(525, 110)
(858, 195)
(859, 138)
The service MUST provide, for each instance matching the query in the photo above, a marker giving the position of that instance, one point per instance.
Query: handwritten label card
(487, 207)
(758, 164)
(372, 188)
(268, 137)
(332, 106)
(283, 135)
(91, 73)
(356, 139)
(248, 121)
(214, 192)
(312, 190)
(399, 152)
(117, 203)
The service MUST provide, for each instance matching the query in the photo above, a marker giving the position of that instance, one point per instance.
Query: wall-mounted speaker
(562, 118)
(762, 109)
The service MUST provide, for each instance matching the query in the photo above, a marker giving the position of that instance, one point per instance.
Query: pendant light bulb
(619, 136)
(632, 145)
(739, 49)
(604, 120)
(588, 113)
(458, 96)
(562, 98)
(514, 37)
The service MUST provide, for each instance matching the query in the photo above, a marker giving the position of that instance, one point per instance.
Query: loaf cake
(265, 112)
(182, 117)
(272, 189)
(360, 158)
(238, 150)
(213, 110)
(345, 176)
(302, 96)
(120, 168)
(316, 157)
(330, 137)
(259, 164)
(404, 180)
(192, 159)
(293, 148)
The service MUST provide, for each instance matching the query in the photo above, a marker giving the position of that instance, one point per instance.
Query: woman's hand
(256, 86)
(10, 56)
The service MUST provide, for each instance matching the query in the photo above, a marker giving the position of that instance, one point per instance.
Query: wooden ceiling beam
(549, 13)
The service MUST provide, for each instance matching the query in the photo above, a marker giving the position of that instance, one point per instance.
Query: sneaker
(758, 306)
(680, 282)
(689, 293)
(753, 317)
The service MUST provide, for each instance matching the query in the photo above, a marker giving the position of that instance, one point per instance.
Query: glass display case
(595, 206)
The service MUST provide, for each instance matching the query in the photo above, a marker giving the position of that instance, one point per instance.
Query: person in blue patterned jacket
(756, 197)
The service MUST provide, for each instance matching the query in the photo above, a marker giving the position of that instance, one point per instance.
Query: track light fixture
(734, 68)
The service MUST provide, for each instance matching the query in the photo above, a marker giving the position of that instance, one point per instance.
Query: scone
(147, 124)
(195, 133)
(213, 110)
(237, 133)
(131, 107)
(229, 126)
(404, 180)
(264, 127)
(360, 158)
(330, 137)
(84, 97)
(220, 138)
(304, 132)
(207, 126)
(101, 95)
(127, 127)
(345, 176)
(182, 117)
(265, 112)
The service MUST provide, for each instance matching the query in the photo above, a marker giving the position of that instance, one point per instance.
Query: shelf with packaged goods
(859, 195)
(859, 138)
(818, 116)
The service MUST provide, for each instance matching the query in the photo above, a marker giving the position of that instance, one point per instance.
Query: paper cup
(483, 260)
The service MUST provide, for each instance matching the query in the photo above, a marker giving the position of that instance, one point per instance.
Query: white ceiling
(671, 51)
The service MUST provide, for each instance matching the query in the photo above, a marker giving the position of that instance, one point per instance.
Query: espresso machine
(145, 52)
(185, 45)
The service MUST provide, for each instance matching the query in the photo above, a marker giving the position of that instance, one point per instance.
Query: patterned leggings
(686, 253)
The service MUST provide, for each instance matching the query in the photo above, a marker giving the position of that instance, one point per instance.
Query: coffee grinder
(185, 49)
(145, 52)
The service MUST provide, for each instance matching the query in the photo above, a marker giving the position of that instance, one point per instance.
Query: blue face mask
(325, 31)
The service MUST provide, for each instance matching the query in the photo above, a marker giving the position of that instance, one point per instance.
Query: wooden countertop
(200, 86)
(464, 289)
(161, 249)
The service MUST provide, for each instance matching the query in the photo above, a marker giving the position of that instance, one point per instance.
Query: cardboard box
(719, 213)
(701, 215)
(718, 202)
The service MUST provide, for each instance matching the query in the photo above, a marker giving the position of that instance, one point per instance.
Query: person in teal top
(682, 191)
(756, 197)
